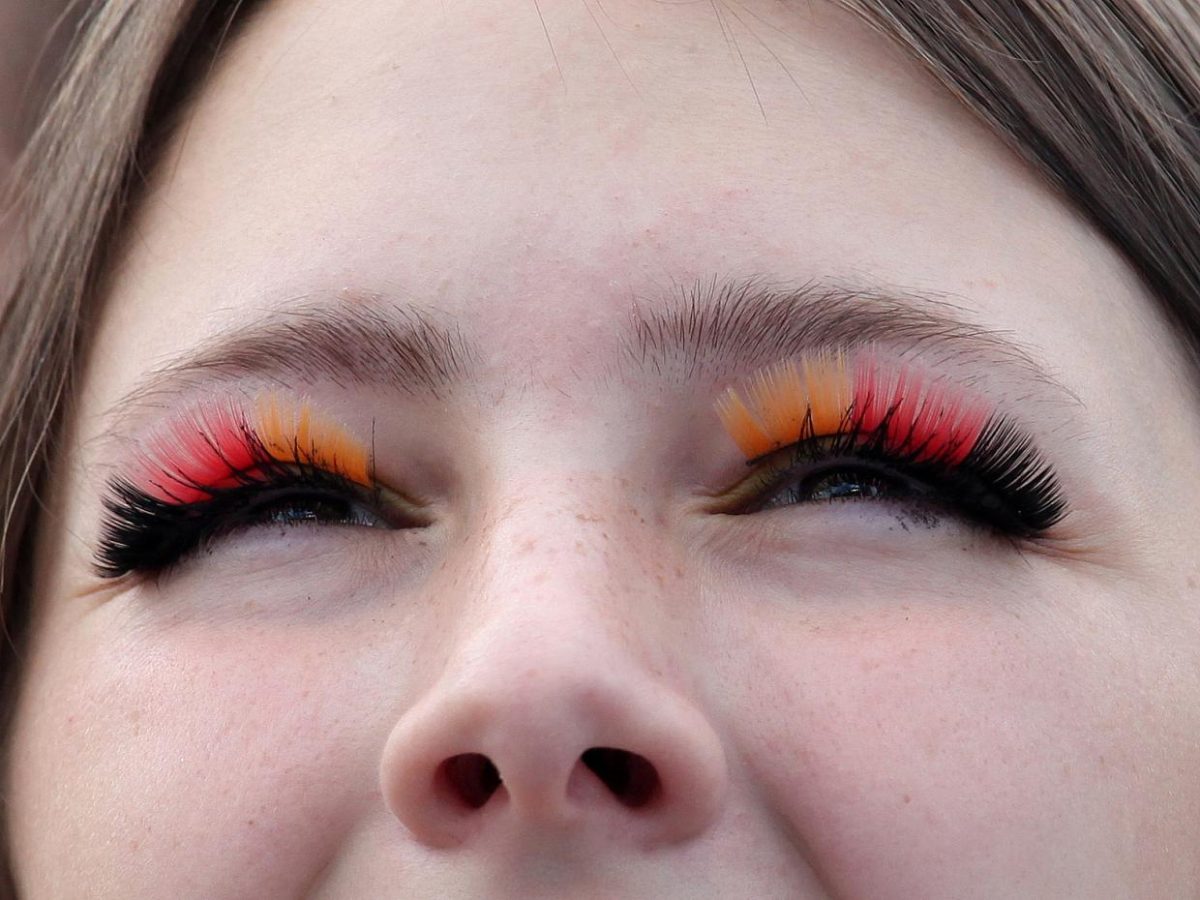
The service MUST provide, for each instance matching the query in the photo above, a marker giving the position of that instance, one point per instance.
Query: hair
(1100, 96)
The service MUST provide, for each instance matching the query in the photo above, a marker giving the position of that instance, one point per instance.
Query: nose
(546, 720)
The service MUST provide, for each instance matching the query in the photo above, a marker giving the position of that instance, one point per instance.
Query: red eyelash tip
(197, 452)
(920, 414)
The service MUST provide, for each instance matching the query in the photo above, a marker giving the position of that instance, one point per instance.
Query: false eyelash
(822, 408)
(210, 469)
(143, 533)
(1002, 482)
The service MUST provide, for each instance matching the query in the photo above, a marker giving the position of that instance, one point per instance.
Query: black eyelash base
(1003, 482)
(1005, 460)
(141, 533)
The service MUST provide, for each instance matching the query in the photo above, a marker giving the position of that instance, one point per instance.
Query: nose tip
(648, 770)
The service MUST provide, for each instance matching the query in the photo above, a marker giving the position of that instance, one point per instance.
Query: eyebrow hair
(358, 340)
(726, 325)
(710, 330)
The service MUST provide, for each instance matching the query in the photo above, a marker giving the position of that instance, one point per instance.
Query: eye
(843, 481)
(867, 429)
(306, 506)
(146, 534)
(831, 470)
(216, 470)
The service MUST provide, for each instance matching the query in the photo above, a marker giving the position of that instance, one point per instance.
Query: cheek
(929, 749)
(197, 761)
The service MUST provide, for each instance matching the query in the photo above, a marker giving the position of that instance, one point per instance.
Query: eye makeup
(838, 425)
(224, 466)
(841, 426)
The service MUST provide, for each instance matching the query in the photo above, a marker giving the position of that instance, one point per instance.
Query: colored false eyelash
(826, 395)
(219, 446)
(200, 468)
(895, 413)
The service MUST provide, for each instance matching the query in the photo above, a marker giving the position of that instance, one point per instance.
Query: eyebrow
(717, 328)
(709, 330)
(351, 339)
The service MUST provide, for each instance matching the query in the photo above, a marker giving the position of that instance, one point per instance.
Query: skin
(835, 706)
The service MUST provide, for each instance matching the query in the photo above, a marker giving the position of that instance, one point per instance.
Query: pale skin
(834, 706)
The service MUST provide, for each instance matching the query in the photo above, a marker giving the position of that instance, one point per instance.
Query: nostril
(471, 778)
(632, 778)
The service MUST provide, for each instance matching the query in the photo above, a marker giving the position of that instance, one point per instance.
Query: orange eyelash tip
(743, 426)
(293, 433)
(785, 400)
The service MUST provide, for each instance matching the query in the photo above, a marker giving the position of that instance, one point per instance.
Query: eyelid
(767, 472)
(374, 492)
(295, 434)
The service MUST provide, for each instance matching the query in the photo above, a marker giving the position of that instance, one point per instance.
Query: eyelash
(142, 533)
(1003, 483)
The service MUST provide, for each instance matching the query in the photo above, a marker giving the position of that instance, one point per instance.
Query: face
(474, 488)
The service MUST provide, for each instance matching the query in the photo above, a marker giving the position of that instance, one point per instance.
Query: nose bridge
(557, 706)
(581, 551)
(565, 622)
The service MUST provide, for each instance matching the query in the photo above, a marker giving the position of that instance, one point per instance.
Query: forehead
(528, 168)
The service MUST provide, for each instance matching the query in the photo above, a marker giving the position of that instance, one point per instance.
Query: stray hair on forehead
(1099, 96)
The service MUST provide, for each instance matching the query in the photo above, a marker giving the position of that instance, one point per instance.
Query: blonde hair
(1101, 96)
